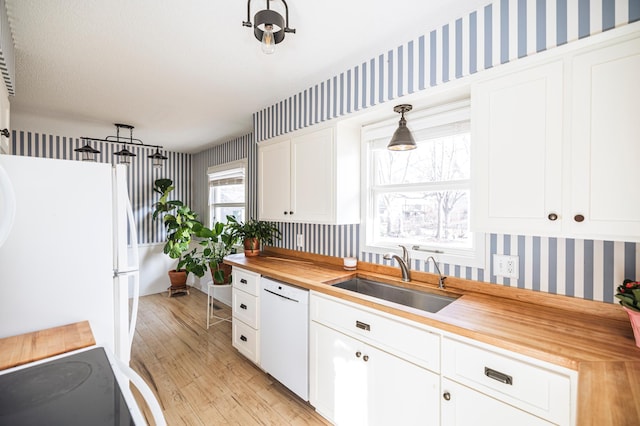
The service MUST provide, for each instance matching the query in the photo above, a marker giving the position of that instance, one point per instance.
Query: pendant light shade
(157, 159)
(124, 156)
(88, 152)
(402, 139)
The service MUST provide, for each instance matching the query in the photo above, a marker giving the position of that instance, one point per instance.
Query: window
(421, 198)
(227, 191)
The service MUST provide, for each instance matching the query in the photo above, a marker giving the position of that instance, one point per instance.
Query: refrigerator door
(126, 275)
(56, 265)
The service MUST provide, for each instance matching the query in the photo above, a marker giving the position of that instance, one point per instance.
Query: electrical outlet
(505, 266)
(300, 241)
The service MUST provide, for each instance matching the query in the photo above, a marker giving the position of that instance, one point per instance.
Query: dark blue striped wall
(500, 32)
(141, 174)
(503, 31)
(233, 150)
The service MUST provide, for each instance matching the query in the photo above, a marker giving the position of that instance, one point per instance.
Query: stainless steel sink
(420, 300)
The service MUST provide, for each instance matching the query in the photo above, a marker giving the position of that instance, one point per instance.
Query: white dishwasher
(284, 334)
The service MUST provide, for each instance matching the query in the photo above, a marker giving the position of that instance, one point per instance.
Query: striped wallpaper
(233, 150)
(141, 174)
(500, 32)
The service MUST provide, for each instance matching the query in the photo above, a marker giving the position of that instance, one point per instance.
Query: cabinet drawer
(246, 341)
(245, 308)
(394, 336)
(533, 388)
(246, 281)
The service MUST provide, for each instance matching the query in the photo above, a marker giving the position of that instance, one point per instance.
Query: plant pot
(251, 247)
(226, 270)
(634, 318)
(178, 278)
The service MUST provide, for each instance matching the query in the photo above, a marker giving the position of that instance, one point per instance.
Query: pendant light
(88, 152)
(157, 159)
(269, 27)
(402, 139)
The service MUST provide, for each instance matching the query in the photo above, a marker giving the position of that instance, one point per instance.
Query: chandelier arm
(248, 23)
(286, 21)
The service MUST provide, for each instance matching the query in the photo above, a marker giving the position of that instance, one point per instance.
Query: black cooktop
(79, 389)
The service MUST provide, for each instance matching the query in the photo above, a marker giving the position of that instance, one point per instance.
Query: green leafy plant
(629, 294)
(218, 242)
(263, 232)
(181, 224)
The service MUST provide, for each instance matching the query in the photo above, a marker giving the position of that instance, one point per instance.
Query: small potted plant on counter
(629, 295)
(180, 223)
(253, 233)
(217, 242)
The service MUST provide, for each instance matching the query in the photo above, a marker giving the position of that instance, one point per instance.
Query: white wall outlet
(505, 266)
(300, 241)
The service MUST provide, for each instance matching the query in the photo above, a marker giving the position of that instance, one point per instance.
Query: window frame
(433, 117)
(243, 163)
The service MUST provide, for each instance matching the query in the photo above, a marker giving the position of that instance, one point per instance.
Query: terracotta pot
(251, 247)
(178, 278)
(226, 270)
(634, 317)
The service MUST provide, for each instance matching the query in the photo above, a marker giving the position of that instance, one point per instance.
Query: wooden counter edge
(37, 345)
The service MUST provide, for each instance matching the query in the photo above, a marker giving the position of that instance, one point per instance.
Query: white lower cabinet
(246, 313)
(357, 384)
(353, 382)
(463, 406)
(483, 385)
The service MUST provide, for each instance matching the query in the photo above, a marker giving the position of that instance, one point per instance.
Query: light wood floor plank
(198, 377)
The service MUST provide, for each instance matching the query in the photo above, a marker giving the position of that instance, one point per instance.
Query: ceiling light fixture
(402, 139)
(268, 26)
(124, 155)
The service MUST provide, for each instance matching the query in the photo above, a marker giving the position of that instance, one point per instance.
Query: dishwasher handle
(280, 295)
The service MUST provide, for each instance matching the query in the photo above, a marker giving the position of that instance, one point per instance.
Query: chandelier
(124, 155)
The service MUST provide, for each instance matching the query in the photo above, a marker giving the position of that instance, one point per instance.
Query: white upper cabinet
(605, 142)
(555, 145)
(311, 176)
(517, 151)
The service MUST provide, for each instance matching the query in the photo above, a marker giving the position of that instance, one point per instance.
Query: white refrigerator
(68, 249)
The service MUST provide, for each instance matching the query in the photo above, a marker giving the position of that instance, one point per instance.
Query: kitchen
(547, 258)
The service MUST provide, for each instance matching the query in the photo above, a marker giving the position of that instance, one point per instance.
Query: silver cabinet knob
(365, 358)
(358, 354)
(446, 396)
(552, 216)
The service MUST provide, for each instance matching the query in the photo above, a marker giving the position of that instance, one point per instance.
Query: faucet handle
(405, 256)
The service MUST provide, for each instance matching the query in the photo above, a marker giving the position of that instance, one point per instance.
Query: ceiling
(187, 74)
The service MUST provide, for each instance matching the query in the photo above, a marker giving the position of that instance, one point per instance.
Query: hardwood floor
(198, 377)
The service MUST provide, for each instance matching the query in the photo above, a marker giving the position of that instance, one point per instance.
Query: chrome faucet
(404, 262)
(441, 278)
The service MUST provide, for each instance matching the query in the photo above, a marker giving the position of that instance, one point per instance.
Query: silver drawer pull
(243, 306)
(496, 375)
(243, 281)
(363, 326)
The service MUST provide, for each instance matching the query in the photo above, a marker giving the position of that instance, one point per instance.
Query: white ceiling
(187, 74)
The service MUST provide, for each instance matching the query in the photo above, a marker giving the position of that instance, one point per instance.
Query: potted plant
(217, 242)
(253, 233)
(629, 295)
(180, 223)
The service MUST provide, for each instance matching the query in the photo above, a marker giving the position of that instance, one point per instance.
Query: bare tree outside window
(422, 196)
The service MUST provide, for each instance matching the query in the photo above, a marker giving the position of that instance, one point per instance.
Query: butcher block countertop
(593, 338)
(29, 347)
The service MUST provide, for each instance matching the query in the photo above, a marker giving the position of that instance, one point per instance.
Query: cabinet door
(517, 151)
(352, 383)
(314, 175)
(605, 146)
(274, 177)
(463, 406)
